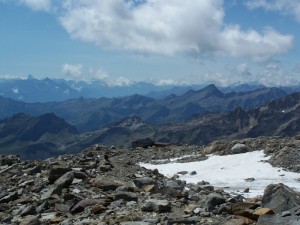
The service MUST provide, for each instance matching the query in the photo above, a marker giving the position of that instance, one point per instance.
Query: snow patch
(231, 172)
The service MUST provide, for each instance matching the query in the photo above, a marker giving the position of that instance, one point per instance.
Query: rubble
(73, 189)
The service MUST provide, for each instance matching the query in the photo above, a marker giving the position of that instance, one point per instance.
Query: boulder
(239, 148)
(65, 180)
(154, 205)
(214, 199)
(56, 173)
(143, 181)
(277, 219)
(280, 198)
(176, 184)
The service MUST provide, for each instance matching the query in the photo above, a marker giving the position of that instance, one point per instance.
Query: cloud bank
(168, 27)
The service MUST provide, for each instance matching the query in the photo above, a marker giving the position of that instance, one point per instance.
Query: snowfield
(230, 172)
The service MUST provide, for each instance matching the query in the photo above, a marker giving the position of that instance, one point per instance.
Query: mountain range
(32, 90)
(278, 118)
(92, 114)
(48, 135)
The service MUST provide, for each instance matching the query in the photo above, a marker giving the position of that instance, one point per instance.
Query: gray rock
(280, 198)
(56, 173)
(239, 148)
(65, 180)
(128, 196)
(154, 205)
(34, 170)
(80, 206)
(50, 191)
(193, 173)
(30, 220)
(42, 207)
(286, 213)
(107, 184)
(67, 222)
(28, 210)
(140, 182)
(214, 199)
(176, 184)
(135, 223)
(125, 188)
(11, 197)
(278, 220)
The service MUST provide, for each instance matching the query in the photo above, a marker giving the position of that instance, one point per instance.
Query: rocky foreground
(87, 189)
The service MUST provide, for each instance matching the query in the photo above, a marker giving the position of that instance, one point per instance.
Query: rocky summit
(104, 185)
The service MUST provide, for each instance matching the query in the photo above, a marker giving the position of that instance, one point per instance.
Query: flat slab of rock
(107, 183)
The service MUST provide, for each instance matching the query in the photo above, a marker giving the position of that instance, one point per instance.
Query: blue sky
(159, 41)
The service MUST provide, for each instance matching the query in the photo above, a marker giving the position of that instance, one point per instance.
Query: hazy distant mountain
(278, 118)
(47, 135)
(34, 137)
(48, 90)
(92, 114)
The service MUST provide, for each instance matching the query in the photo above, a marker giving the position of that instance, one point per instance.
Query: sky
(231, 172)
(165, 42)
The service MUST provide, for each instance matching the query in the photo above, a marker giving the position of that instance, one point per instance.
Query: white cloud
(73, 71)
(98, 74)
(251, 43)
(273, 74)
(166, 82)
(121, 81)
(168, 27)
(285, 7)
(237, 74)
(243, 69)
(12, 76)
(38, 5)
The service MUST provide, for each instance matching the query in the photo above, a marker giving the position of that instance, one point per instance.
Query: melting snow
(229, 172)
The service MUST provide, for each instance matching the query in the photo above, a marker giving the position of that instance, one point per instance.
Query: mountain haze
(93, 114)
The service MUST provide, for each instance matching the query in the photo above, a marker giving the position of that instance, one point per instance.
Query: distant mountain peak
(211, 89)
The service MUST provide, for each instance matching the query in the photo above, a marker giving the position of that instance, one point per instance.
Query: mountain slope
(280, 117)
(93, 114)
(47, 135)
(33, 137)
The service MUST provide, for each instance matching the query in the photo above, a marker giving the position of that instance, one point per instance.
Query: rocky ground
(87, 189)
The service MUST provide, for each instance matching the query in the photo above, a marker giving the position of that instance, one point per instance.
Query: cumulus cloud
(98, 74)
(39, 5)
(285, 7)
(167, 82)
(72, 71)
(251, 43)
(167, 27)
(121, 81)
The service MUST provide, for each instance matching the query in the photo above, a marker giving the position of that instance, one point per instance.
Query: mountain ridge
(88, 114)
